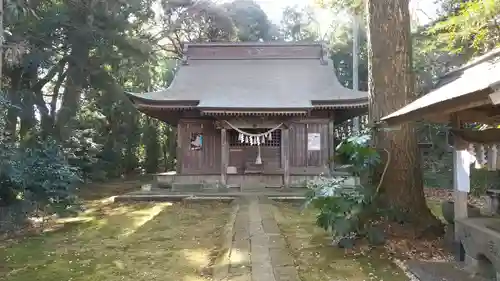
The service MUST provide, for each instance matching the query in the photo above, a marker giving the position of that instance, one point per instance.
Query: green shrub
(35, 170)
(347, 210)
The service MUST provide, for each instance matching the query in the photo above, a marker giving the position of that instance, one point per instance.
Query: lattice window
(274, 140)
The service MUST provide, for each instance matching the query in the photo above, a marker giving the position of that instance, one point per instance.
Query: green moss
(317, 260)
(435, 207)
(120, 242)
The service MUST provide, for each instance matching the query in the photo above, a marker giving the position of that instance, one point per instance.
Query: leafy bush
(346, 209)
(357, 155)
(47, 176)
(35, 171)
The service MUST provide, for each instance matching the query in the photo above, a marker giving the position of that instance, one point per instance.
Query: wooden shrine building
(253, 113)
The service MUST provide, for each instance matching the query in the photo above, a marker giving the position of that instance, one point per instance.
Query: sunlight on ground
(317, 260)
(115, 242)
(238, 257)
(197, 257)
(143, 216)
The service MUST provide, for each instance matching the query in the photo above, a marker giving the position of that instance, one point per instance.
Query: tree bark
(15, 100)
(80, 40)
(73, 88)
(391, 86)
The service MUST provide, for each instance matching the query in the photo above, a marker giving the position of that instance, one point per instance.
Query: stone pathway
(258, 251)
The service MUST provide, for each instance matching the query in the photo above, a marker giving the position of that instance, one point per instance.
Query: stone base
(481, 267)
(481, 244)
(442, 271)
(458, 251)
(449, 237)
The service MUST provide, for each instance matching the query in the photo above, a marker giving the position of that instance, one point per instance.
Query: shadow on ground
(317, 260)
(108, 241)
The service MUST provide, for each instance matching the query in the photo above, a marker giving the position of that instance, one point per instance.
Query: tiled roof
(255, 76)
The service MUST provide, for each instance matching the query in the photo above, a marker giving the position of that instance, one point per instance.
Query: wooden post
(331, 145)
(285, 156)
(355, 64)
(179, 153)
(224, 159)
(461, 179)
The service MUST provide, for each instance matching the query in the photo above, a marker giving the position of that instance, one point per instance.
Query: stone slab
(258, 251)
(245, 277)
(276, 242)
(441, 271)
(239, 257)
(280, 257)
(270, 226)
(286, 273)
(236, 270)
(186, 187)
(242, 246)
(261, 272)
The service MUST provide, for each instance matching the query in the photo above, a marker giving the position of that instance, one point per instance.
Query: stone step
(442, 271)
(253, 187)
(187, 187)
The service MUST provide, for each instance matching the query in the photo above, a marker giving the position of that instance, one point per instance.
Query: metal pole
(355, 64)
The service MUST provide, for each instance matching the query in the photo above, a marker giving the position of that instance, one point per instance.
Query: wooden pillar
(178, 153)
(331, 145)
(461, 178)
(285, 156)
(224, 159)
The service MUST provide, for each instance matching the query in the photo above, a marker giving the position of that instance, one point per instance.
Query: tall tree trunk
(80, 40)
(15, 100)
(391, 86)
(73, 88)
(28, 120)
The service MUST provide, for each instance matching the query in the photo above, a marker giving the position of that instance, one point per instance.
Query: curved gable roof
(255, 76)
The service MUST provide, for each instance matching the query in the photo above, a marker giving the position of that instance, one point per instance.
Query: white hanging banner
(314, 141)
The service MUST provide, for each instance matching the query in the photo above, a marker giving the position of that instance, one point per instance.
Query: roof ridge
(254, 50)
(488, 56)
(251, 44)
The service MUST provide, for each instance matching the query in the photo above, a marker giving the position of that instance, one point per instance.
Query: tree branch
(52, 72)
(55, 91)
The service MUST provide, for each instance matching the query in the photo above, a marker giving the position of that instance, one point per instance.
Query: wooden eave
(340, 104)
(488, 136)
(255, 112)
(476, 85)
(441, 112)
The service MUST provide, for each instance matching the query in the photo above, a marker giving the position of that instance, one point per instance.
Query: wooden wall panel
(300, 156)
(298, 145)
(208, 159)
